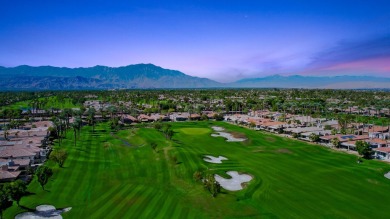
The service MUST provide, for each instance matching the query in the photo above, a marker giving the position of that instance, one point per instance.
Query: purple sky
(222, 40)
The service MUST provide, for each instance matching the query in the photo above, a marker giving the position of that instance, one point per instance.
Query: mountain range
(149, 76)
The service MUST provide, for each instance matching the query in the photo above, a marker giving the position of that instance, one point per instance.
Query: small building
(194, 116)
(382, 153)
(300, 130)
(306, 135)
(379, 135)
(128, 119)
(10, 169)
(326, 140)
(273, 126)
(144, 118)
(8, 175)
(376, 142)
(348, 145)
(179, 117)
(158, 117)
(376, 128)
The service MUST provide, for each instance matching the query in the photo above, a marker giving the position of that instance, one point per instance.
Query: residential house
(306, 135)
(144, 118)
(128, 119)
(327, 139)
(179, 117)
(8, 174)
(380, 135)
(382, 153)
(376, 142)
(194, 116)
(299, 130)
(158, 117)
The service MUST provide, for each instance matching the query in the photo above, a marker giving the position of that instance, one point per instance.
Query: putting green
(195, 131)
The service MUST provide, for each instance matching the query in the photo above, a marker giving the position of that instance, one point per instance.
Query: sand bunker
(387, 175)
(43, 212)
(212, 159)
(217, 128)
(235, 183)
(229, 137)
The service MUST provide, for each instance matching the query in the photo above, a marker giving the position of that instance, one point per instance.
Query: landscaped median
(105, 178)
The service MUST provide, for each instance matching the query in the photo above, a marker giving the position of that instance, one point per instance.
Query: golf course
(119, 175)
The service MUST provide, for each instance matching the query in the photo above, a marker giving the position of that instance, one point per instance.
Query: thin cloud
(352, 52)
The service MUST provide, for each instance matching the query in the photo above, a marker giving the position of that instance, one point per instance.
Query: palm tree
(75, 129)
(91, 118)
(335, 142)
(6, 133)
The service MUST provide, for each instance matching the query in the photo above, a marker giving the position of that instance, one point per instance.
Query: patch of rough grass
(284, 151)
(270, 139)
(107, 145)
(373, 181)
(238, 135)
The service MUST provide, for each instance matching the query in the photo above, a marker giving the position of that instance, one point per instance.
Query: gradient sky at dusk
(223, 40)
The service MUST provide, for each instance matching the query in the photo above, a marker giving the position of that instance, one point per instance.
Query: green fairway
(120, 176)
(195, 131)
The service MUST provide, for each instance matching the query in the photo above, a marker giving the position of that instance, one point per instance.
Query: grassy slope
(291, 178)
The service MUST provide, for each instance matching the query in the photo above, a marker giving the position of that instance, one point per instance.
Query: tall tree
(4, 198)
(59, 156)
(18, 189)
(335, 142)
(43, 174)
(363, 148)
(314, 137)
(212, 185)
(91, 118)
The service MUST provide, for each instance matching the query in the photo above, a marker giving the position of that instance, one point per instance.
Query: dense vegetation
(346, 105)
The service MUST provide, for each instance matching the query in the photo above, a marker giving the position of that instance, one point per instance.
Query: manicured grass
(103, 178)
(194, 131)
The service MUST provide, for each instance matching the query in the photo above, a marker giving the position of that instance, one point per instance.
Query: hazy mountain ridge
(98, 77)
(145, 76)
(299, 81)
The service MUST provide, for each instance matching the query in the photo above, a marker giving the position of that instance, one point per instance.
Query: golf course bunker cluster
(212, 159)
(229, 137)
(235, 183)
(43, 212)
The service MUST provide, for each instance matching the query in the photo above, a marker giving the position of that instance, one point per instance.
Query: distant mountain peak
(147, 75)
(99, 77)
(299, 81)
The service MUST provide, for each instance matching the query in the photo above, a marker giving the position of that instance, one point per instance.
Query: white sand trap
(387, 175)
(233, 184)
(217, 128)
(212, 159)
(43, 212)
(229, 137)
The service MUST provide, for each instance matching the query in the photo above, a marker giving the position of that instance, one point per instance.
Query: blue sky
(222, 40)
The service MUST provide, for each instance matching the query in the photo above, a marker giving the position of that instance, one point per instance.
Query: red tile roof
(8, 175)
(384, 149)
(15, 153)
